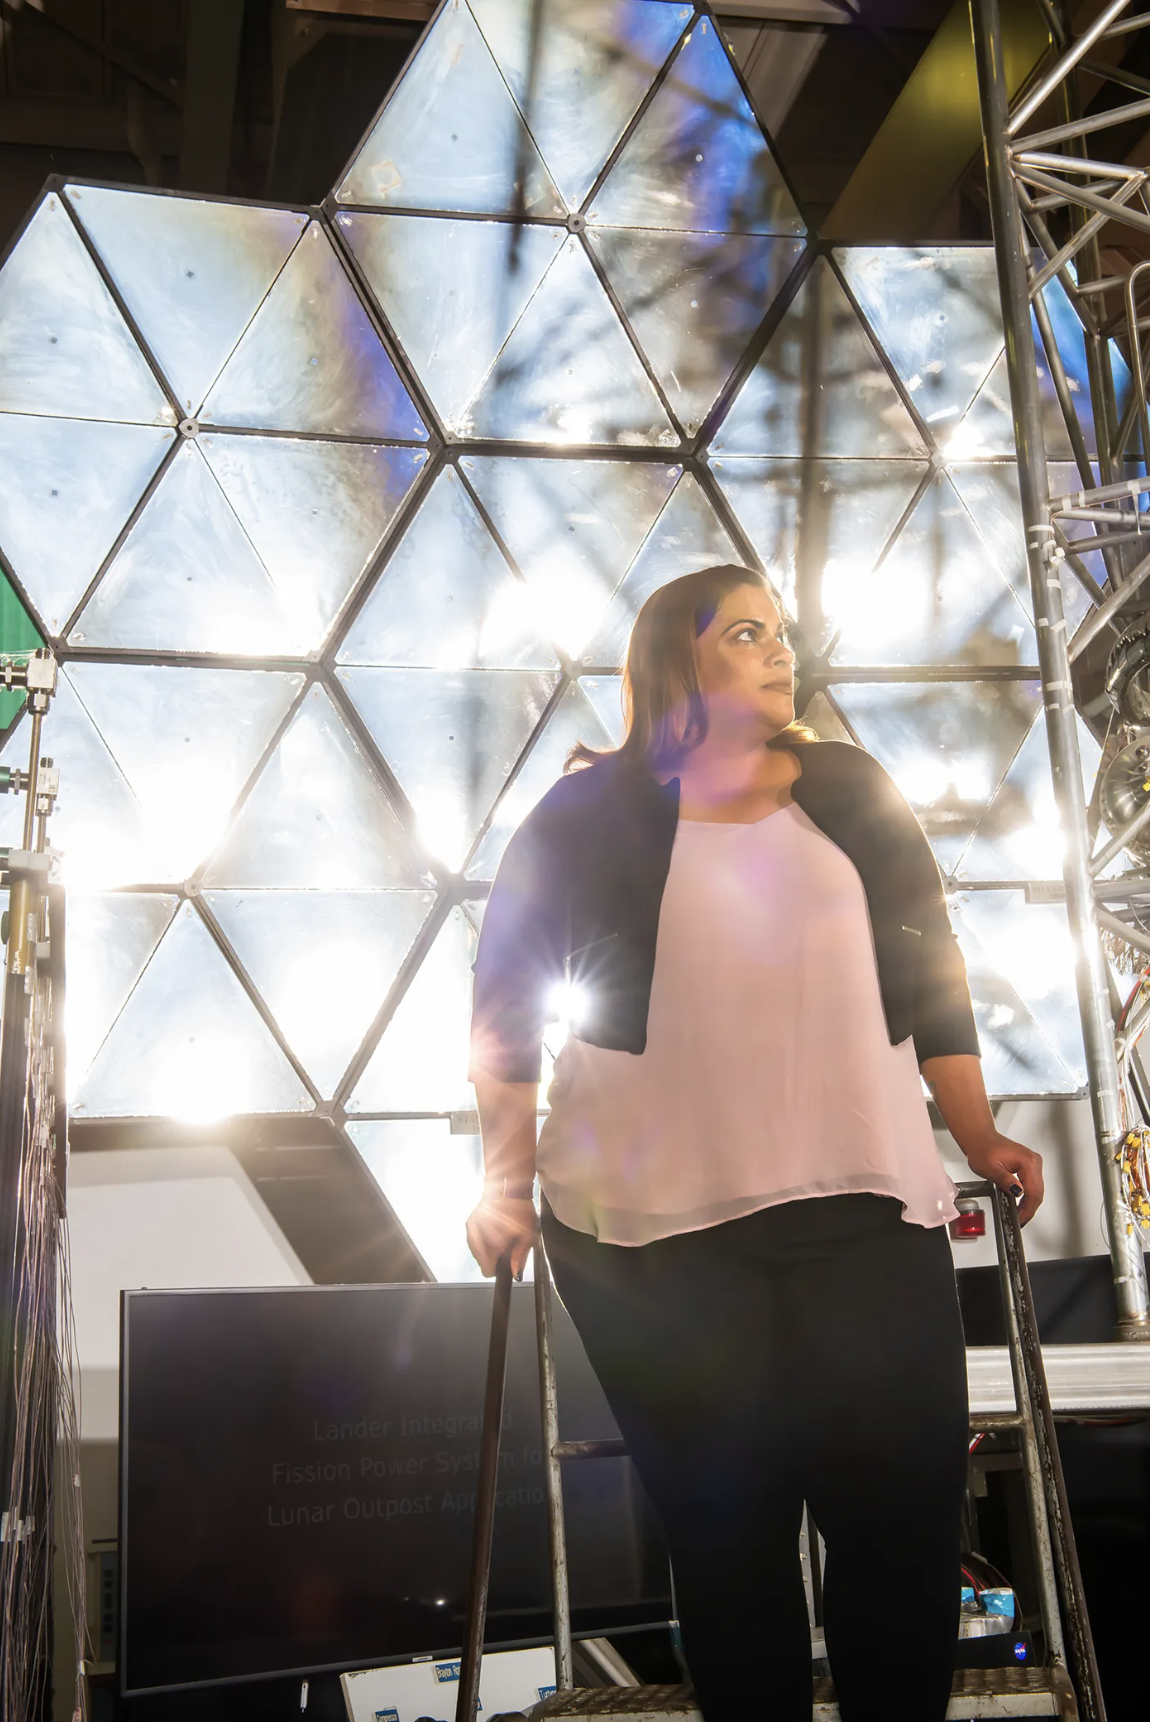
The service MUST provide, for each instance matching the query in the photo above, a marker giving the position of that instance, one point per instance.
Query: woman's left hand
(1012, 1167)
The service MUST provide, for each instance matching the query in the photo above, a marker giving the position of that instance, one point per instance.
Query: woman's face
(746, 668)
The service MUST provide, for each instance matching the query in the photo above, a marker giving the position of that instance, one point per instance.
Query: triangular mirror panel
(67, 488)
(935, 313)
(947, 746)
(98, 825)
(1018, 960)
(693, 302)
(450, 136)
(688, 535)
(432, 1178)
(191, 272)
(189, 1044)
(292, 943)
(573, 527)
(452, 291)
(447, 599)
(186, 578)
(937, 597)
(987, 427)
(187, 740)
(573, 720)
(568, 373)
(605, 697)
(820, 387)
(821, 716)
(697, 160)
(111, 937)
(316, 513)
(316, 818)
(65, 350)
(847, 511)
(451, 739)
(1020, 835)
(579, 69)
(420, 1064)
(311, 360)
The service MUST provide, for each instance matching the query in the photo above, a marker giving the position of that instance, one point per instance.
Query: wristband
(509, 1189)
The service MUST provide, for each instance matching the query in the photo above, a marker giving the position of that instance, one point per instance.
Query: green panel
(17, 634)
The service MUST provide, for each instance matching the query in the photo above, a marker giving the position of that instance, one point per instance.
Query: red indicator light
(971, 1221)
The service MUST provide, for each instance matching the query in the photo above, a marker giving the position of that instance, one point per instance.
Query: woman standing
(742, 1201)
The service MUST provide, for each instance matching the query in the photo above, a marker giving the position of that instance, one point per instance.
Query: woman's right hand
(499, 1224)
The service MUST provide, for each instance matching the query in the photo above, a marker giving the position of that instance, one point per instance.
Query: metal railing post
(1061, 720)
(553, 1471)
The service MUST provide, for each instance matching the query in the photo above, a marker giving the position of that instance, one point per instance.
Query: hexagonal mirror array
(338, 521)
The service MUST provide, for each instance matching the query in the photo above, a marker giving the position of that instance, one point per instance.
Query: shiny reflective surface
(315, 513)
(311, 361)
(447, 599)
(694, 302)
(572, 527)
(848, 510)
(189, 1044)
(432, 1179)
(697, 159)
(316, 818)
(323, 961)
(946, 744)
(451, 738)
(186, 740)
(450, 136)
(687, 535)
(568, 373)
(935, 313)
(1018, 957)
(65, 350)
(573, 720)
(578, 70)
(452, 291)
(1020, 835)
(192, 273)
(420, 1064)
(111, 937)
(66, 488)
(820, 387)
(937, 597)
(187, 578)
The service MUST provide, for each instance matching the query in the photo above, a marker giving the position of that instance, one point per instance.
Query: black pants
(810, 1352)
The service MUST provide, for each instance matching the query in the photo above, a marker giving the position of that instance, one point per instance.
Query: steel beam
(1061, 720)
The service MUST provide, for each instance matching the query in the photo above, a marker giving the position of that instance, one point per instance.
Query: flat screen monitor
(298, 1475)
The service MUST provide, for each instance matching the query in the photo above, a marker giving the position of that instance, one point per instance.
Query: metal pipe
(1106, 611)
(479, 1578)
(1119, 841)
(1031, 1460)
(1137, 364)
(1069, 60)
(1133, 936)
(1061, 719)
(1062, 390)
(1083, 127)
(553, 1471)
(1092, 1706)
(1113, 208)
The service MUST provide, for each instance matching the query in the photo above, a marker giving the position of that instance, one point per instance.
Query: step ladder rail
(1022, 1419)
(1033, 1398)
(553, 1454)
(479, 1576)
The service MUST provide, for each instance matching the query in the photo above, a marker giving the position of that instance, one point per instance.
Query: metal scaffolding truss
(1058, 207)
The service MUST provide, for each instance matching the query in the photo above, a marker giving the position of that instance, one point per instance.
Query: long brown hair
(663, 705)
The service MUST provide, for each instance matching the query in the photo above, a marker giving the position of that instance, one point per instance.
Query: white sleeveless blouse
(768, 1073)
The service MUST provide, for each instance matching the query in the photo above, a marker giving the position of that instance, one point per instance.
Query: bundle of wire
(46, 1412)
(1134, 1154)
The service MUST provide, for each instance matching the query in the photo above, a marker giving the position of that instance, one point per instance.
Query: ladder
(1067, 1686)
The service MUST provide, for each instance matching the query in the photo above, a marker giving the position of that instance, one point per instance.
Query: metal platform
(1111, 1378)
(977, 1692)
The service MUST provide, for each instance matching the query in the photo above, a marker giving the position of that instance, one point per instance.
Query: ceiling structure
(337, 519)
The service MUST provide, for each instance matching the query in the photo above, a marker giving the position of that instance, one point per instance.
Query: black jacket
(578, 893)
